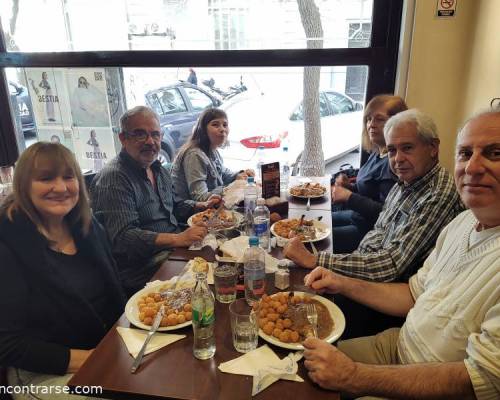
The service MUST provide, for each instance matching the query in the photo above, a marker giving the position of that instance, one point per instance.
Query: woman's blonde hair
(59, 160)
(392, 104)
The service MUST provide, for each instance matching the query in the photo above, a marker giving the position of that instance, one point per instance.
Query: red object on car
(264, 141)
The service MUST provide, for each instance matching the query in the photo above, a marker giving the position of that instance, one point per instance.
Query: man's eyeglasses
(141, 135)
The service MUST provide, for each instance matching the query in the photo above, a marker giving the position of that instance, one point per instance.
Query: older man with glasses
(132, 195)
(449, 346)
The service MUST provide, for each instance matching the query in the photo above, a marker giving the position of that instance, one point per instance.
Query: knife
(152, 331)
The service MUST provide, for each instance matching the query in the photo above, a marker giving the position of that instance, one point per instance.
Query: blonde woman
(59, 289)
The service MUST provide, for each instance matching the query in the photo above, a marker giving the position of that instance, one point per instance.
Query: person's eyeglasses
(141, 135)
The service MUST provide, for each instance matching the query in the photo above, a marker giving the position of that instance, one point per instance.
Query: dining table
(172, 372)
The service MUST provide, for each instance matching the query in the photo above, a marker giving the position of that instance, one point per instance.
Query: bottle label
(260, 228)
(204, 318)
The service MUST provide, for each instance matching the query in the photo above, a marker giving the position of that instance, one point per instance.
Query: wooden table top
(173, 373)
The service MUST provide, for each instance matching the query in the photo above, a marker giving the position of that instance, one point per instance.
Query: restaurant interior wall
(440, 56)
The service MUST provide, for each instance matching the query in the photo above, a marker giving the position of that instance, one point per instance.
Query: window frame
(381, 58)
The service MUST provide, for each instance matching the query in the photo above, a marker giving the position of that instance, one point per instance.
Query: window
(262, 41)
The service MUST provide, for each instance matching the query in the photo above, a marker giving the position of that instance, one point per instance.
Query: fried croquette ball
(157, 297)
(266, 298)
(262, 322)
(150, 300)
(281, 309)
(188, 315)
(263, 313)
(164, 321)
(268, 328)
(272, 317)
(187, 307)
(277, 333)
(284, 299)
(307, 299)
(276, 305)
(294, 336)
(149, 312)
(148, 321)
(285, 337)
(279, 325)
(172, 319)
(287, 322)
(181, 318)
(141, 316)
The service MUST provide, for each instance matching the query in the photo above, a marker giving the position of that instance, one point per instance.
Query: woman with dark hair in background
(198, 171)
(59, 291)
(362, 202)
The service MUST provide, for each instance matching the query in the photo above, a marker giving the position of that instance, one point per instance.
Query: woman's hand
(342, 180)
(245, 174)
(340, 194)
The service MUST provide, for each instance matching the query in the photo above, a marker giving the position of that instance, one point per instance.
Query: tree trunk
(313, 163)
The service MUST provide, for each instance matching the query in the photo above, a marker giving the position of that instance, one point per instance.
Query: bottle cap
(253, 241)
(261, 147)
(250, 179)
(285, 148)
(261, 201)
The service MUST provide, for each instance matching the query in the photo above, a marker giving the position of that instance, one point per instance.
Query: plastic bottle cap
(253, 241)
(261, 147)
(250, 179)
(285, 148)
(261, 201)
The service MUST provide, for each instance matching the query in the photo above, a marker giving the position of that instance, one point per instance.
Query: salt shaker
(282, 278)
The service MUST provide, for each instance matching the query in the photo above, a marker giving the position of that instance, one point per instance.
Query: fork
(308, 205)
(313, 248)
(312, 317)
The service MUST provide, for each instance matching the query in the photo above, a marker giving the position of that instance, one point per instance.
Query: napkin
(187, 281)
(234, 249)
(209, 240)
(234, 193)
(134, 339)
(265, 367)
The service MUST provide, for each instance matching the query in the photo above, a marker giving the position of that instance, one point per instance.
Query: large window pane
(80, 107)
(92, 25)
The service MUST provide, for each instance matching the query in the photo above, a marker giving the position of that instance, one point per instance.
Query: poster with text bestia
(88, 99)
(94, 147)
(45, 87)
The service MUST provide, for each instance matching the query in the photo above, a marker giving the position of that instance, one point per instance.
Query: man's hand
(212, 201)
(297, 252)
(321, 279)
(328, 367)
(340, 194)
(191, 235)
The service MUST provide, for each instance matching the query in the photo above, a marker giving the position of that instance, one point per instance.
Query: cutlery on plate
(312, 317)
(152, 331)
(308, 205)
(313, 248)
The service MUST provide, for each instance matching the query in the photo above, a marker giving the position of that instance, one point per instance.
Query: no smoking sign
(446, 8)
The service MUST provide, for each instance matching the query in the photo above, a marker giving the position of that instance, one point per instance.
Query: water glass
(225, 279)
(244, 327)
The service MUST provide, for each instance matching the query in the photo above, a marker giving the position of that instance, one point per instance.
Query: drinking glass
(244, 326)
(225, 278)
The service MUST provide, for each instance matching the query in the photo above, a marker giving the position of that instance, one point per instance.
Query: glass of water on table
(244, 327)
(225, 279)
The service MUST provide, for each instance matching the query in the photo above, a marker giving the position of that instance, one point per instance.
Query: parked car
(178, 106)
(24, 108)
(270, 121)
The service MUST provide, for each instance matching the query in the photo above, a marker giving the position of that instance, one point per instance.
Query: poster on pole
(94, 147)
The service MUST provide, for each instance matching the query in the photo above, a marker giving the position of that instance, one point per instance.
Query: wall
(438, 66)
(483, 72)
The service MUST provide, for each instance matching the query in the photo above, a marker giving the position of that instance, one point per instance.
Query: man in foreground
(133, 196)
(449, 346)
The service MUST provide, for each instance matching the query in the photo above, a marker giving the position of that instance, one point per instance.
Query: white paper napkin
(235, 250)
(265, 367)
(209, 240)
(134, 339)
(187, 280)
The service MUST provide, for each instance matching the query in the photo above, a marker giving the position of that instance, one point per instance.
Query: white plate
(132, 309)
(338, 326)
(322, 231)
(237, 217)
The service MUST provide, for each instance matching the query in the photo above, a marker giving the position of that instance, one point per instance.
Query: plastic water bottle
(254, 271)
(261, 222)
(203, 308)
(250, 202)
(285, 171)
